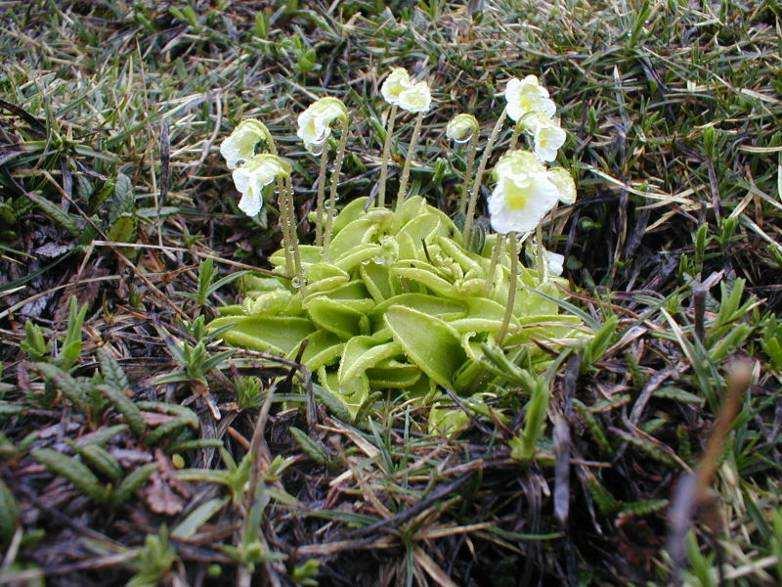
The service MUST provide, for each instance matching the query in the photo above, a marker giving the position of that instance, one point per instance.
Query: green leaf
(100, 460)
(351, 212)
(444, 308)
(483, 315)
(427, 278)
(323, 347)
(132, 482)
(355, 234)
(111, 370)
(56, 214)
(523, 449)
(377, 280)
(122, 201)
(338, 318)
(362, 353)
(276, 334)
(33, 344)
(353, 393)
(72, 343)
(129, 410)
(393, 375)
(351, 260)
(315, 450)
(9, 514)
(198, 517)
(70, 387)
(74, 471)
(428, 342)
(123, 229)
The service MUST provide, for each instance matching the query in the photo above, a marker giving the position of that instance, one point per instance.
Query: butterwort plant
(400, 300)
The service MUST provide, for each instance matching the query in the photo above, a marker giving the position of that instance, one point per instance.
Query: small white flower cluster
(315, 122)
(399, 90)
(462, 127)
(529, 104)
(525, 192)
(252, 171)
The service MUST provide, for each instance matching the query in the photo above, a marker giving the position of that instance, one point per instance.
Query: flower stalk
(296, 273)
(282, 202)
(495, 258)
(512, 286)
(332, 207)
(400, 198)
(381, 187)
(476, 186)
(472, 148)
(320, 213)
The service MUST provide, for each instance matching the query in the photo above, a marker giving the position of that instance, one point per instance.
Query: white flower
(523, 194)
(555, 263)
(416, 98)
(315, 122)
(461, 128)
(240, 145)
(565, 184)
(396, 82)
(547, 134)
(250, 179)
(527, 96)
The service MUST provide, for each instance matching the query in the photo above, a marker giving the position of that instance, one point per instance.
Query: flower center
(517, 194)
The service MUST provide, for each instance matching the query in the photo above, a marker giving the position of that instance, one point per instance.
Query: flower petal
(416, 98)
(396, 82)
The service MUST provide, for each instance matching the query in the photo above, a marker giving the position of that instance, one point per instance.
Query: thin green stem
(400, 198)
(495, 257)
(293, 232)
(290, 238)
(514, 278)
(320, 213)
(282, 204)
(332, 208)
(472, 148)
(476, 186)
(381, 187)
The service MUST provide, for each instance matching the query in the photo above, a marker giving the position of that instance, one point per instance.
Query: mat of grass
(112, 194)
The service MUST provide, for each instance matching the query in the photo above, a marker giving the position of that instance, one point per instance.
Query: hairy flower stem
(495, 258)
(290, 238)
(400, 198)
(514, 278)
(332, 207)
(476, 186)
(320, 213)
(381, 187)
(472, 147)
(282, 204)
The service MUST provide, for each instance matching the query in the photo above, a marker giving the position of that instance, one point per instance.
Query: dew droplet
(298, 281)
